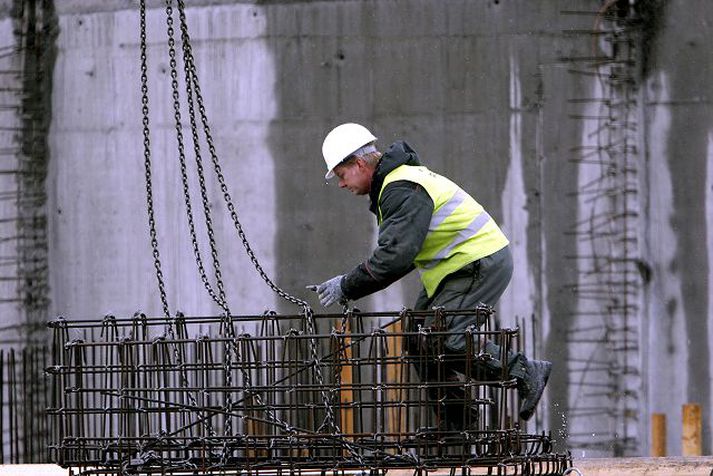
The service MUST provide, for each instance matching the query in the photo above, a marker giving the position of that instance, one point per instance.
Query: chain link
(188, 63)
(227, 328)
(192, 78)
(149, 199)
(147, 164)
(226, 325)
(219, 297)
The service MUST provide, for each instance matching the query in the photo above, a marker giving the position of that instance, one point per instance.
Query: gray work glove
(330, 291)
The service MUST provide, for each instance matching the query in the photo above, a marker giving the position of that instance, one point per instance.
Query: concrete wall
(477, 87)
(679, 164)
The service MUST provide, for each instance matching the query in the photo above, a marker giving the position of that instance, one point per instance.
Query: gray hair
(367, 149)
(367, 153)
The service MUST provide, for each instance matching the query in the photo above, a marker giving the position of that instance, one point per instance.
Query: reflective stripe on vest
(464, 235)
(460, 230)
(447, 210)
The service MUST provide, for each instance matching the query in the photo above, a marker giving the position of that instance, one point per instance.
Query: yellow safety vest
(460, 232)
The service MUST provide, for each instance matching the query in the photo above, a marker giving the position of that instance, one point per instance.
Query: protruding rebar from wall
(605, 338)
(26, 68)
(25, 75)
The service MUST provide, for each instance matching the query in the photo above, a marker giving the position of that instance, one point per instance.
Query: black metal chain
(147, 164)
(193, 91)
(149, 200)
(190, 65)
(199, 169)
(192, 79)
(193, 88)
(219, 297)
(226, 324)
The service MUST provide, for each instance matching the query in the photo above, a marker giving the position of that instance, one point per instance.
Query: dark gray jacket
(406, 210)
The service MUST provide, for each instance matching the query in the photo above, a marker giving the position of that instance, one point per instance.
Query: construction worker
(429, 223)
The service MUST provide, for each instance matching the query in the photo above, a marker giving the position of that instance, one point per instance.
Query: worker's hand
(329, 291)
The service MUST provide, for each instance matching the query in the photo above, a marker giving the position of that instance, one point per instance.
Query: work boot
(531, 386)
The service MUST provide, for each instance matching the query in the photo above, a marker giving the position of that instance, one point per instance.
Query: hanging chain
(201, 175)
(307, 310)
(149, 200)
(218, 169)
(193, 90)
(219, 298)
(226, 325)
(147, 164)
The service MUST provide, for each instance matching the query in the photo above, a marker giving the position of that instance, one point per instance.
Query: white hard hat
(341, 142)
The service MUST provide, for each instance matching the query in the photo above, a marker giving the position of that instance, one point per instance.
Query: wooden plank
(692, 430)
(255, 428)
(658, 434)
(346, 375)
(395, 373)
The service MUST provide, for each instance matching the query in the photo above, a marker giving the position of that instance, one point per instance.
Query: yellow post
(346, 391)
(395, 393)
(692, 430)
(255, 428)
(658, 434)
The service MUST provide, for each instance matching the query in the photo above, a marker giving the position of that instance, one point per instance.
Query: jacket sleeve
(406, 211)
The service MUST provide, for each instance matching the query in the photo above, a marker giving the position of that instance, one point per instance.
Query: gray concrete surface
(479, 90)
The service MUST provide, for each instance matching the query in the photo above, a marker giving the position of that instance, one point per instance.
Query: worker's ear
(362, 164)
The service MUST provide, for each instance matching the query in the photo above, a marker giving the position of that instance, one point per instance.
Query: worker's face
(355, 175)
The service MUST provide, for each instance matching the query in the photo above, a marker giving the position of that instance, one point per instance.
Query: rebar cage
(259, 393)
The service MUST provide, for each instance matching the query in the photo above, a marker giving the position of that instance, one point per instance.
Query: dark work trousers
(482, 281)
